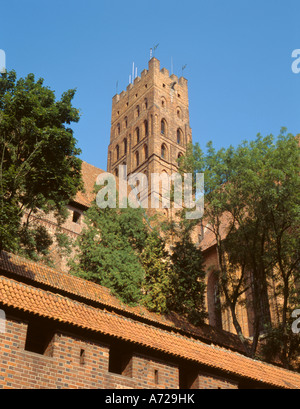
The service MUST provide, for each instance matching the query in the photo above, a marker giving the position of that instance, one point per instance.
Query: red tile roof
(89, 177)
(41, 275)
(54, 306)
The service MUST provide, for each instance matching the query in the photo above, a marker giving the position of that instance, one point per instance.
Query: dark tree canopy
(39, 164)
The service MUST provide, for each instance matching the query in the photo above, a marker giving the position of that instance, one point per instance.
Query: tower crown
(150, 122)
(154, 76)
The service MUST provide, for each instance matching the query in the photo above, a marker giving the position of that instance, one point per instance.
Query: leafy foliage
(109, 251)
(187, 278)
(39, 167)
(156, 263)
(253, 190)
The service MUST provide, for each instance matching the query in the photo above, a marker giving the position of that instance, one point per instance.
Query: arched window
(125, 121)
(117, 152)
(146, 128)
(137, 111)
(116, 172)
(179, 136)
(145, 151)
(180, 154)
(163, 127)
(163, 151)
(146, 103)
(125, 145)
(213, 301)
(137, 159)
(137, 135)
(178, 113)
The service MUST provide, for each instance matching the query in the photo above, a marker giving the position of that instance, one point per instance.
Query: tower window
(137, 159)
(137, 135)
(146, 127)
(179, 136)
(146, 103)
(117, 152)
(125, 146)
(146, 151)
(118, 129)
(163, 151)
(137, 111)
(163, 127)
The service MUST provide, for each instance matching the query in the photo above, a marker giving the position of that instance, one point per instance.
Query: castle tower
(150, 123)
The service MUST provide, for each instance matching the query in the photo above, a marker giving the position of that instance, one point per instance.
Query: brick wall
(74, 362)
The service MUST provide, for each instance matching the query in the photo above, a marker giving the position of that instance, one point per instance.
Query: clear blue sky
(238, 56)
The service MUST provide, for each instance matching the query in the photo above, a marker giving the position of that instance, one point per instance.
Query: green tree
(109, 251)
(252, 208)
(156, 263)
(39, 167)
(187, 278)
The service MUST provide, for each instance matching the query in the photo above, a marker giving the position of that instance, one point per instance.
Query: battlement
(153, 76)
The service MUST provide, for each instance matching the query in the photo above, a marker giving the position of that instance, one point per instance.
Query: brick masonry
(63, 367)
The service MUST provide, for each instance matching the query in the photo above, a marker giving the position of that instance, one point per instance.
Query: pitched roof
(40, 275)
(46, 302)
(89, 176)
(54, 306)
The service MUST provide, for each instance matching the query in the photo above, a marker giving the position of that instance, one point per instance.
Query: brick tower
(150, 123)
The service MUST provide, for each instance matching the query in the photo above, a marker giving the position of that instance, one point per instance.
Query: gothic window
(146, 103)
(137, 158)
(146, 128)
(137, 111)
(118, 129)
(146, 151)
(213, 301)
(126, 122)
(125, 146)
(179, 136)
(117, 152)
(163, 127)
(137, 135)
(163, 151)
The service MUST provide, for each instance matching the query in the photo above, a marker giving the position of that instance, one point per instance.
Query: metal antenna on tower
(154, 48)
(183, 68)
(132, 72)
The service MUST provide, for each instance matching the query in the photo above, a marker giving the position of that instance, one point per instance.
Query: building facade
(62, 332)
